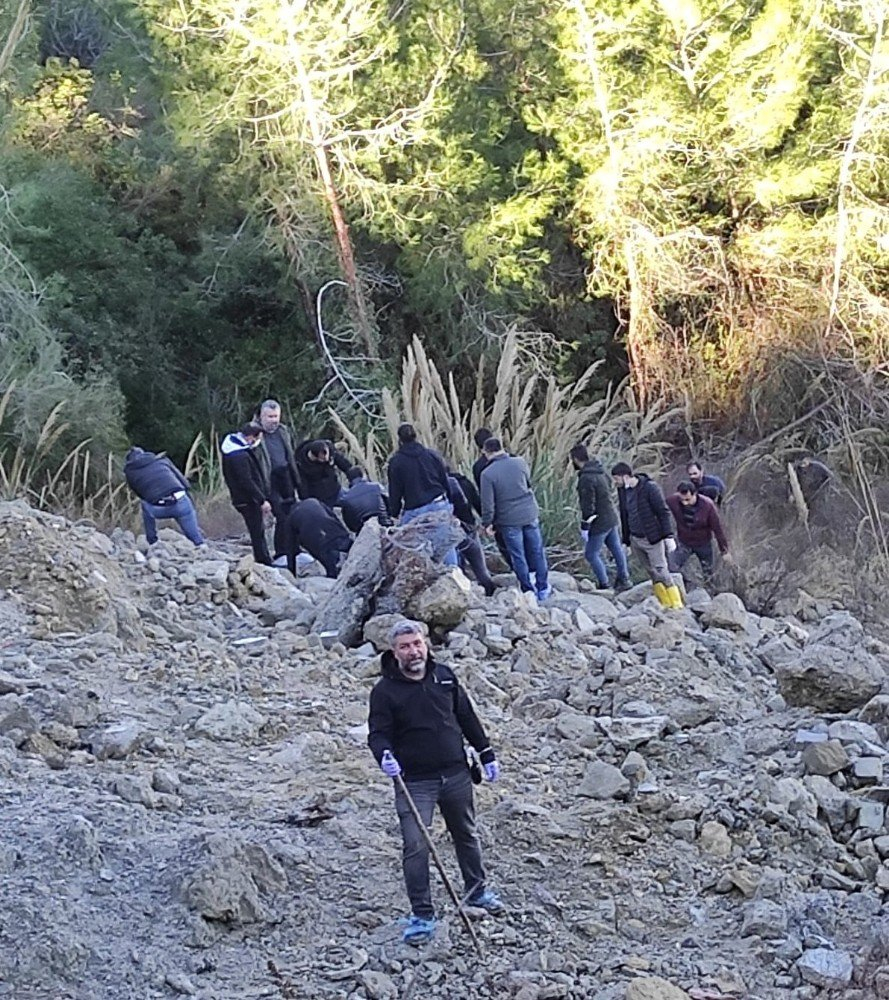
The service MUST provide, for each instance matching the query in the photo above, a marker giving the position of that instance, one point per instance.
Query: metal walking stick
(399, 782)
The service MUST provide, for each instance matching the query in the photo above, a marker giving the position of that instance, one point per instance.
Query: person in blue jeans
(418, 483)
(598, 519)
(418, 720)
(510, 507)
(163, 494)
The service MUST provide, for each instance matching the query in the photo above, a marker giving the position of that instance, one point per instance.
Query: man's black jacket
(423, 722)
(152, 477)
(594, 492)
(320, 480)
(311, 526)
(362, 501)
(417, 476)
(242, 472)
(657, 521)
(470, 491)
(460, 503)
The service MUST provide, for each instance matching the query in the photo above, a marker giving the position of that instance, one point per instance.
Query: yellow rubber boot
(674, 596)
(661, 593)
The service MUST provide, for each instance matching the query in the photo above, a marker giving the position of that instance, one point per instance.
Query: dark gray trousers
(453, 795)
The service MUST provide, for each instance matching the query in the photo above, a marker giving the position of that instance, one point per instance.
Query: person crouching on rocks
(163, 494)
(419, 717)
(312, 526)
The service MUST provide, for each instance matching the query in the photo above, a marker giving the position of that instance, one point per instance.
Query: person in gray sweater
(510, 507)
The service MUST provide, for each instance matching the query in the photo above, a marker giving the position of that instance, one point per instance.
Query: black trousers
(281, 507)
(252, 514)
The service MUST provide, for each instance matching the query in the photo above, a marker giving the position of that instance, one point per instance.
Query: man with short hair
(162, 492)
(510, 507)
(598, 520)
(647, 527)
(320, 464)
(707, 485)
(363, 500)
(419, 717)
(247, 485)
(278, 463)
(418, 482)
(697, 524)
(314, 527)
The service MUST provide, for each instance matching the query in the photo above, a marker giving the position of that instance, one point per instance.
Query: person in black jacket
(418, 482)
(647, 527)
(319, 465)
(480, 464)
(419, 717)
(247, 485)
(363, 500)
(163, 494)
(276, 458)
(314, 527)
(469, 551)
(598, 520)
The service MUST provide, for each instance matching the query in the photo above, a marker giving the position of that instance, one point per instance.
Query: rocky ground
(692, 803)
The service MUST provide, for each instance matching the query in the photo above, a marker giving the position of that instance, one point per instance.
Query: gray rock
(852, 731)
(444, 602)
(376, 630)
(346, 607)
(825, 758)
(603, 781)
(628, 732)
(579, 729)
(377, 985)
(871, 816)
(118, 741)
(830, 679)
(654, 988)
(868, 769)
(132, 788)
(832, 802)
(726, 610)
(714, 839)
(231, 720)
(825, 968)
(764, 918)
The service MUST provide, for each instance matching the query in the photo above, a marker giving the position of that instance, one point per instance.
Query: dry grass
(534, 415)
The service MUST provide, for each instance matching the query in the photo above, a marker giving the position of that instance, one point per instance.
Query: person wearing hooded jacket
(163, 494)
(598, 520)
(247, 485)
(647, 527)
(419, 717)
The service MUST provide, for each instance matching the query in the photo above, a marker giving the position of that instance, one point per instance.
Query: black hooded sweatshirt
(417, 476)
(423, 722)
(320, 480)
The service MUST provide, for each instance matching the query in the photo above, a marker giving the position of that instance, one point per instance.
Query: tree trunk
(344, 249)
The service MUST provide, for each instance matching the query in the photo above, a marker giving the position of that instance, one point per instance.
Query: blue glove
(492, 771)
(389, 765)
(584, 535)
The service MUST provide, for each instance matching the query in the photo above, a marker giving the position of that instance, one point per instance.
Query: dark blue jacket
(152, 477)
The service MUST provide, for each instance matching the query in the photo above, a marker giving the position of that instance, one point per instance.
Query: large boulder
(443, 602)
(833, 672)
(725, 611)
(346, 607)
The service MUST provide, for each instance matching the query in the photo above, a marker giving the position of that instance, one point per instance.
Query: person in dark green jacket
(598, 519)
